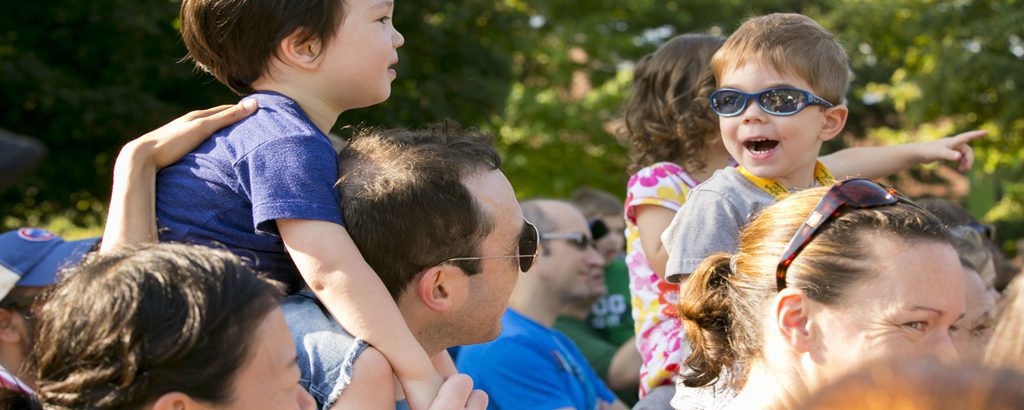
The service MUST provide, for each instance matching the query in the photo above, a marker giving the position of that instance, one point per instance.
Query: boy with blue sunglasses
(782, 78)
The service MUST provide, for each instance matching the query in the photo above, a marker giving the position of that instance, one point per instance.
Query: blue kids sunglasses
(781, 101)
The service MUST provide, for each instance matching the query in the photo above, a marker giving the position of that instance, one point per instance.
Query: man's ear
(176, 401)
(442, 287)
(295, 50)
(8, 331)
(792, 319)
(833, 123)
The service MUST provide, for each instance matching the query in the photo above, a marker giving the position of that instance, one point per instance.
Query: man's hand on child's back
(167, 144)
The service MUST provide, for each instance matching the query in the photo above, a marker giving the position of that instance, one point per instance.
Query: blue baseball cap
(33, 257)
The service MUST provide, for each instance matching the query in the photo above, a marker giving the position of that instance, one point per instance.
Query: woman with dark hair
(823, 281)
(165, 327)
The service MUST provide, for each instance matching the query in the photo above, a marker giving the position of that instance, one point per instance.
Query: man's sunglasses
(20, 304)
(526, 251)
(579, 240)
(857, 193)
(986, 230)
(598, 229)
(782, 101)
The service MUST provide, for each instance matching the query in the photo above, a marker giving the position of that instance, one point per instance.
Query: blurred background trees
(548, 77)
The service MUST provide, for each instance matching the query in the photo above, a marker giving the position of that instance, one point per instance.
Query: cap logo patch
(36, 234)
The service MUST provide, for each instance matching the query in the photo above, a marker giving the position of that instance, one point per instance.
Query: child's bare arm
(131, 215)
(370, 384)
(878, 162)
(651, 221)
(334, 269)
(444, 364)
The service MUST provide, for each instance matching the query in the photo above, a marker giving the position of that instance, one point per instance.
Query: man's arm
(131, 216)
(880, 162)
(624, 372)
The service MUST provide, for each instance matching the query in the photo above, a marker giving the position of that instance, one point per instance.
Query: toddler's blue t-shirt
(229, 192)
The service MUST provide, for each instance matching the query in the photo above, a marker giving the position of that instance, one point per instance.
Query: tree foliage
(548, 77)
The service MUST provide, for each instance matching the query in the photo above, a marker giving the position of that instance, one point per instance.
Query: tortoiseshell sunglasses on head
(857, 193)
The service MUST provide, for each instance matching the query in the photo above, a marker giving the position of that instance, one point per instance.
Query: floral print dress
(659, 335)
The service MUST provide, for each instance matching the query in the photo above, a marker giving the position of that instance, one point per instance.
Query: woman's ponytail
(706, 313)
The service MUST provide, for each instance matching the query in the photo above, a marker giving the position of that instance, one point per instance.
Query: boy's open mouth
(761, 145)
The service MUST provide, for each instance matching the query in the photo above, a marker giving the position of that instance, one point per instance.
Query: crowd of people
(246, 263)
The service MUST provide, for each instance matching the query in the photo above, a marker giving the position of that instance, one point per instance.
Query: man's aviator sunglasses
(856, 193)
(781, 101)
(577, 239)
(526, 250)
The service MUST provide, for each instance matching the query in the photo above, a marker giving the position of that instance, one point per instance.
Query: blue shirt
(532, 367)
(229, 191)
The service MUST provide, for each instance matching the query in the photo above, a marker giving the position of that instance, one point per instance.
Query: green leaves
(548, 77)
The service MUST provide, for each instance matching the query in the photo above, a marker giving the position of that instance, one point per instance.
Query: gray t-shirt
(710, 220)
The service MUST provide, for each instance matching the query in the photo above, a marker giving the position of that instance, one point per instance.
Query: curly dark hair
(125, 327)
(667, 117)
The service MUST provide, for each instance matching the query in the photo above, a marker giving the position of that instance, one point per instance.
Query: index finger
(218, 119)
(968, 136)
(192, 115)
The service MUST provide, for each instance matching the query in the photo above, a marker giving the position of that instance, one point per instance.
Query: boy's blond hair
(789, 43)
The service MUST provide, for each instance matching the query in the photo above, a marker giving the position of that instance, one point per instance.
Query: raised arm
(879, 162)
(131, 215)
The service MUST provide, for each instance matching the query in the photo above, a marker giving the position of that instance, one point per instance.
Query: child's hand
(167, 144)
(457, 393)
(955, 148)
(420, 394)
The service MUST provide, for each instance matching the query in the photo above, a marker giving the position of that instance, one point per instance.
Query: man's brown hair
(235, 40)
(788, 43)
(404, 202)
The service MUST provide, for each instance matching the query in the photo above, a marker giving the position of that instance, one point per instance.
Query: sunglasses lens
(528, 246)
(598, 229)
(782, 101)
(862, 193)
(582, 242)
(986, 230)
(728, 102)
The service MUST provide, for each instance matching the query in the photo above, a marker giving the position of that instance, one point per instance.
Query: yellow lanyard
(821, 175)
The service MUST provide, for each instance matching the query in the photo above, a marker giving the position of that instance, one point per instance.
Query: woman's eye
(916, 325)
(384, 19)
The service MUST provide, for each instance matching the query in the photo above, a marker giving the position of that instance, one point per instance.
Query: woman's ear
(176, 401)
(792, 319)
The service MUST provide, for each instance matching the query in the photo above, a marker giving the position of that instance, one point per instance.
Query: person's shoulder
(662, 173)
(277, 117)
(728, 183)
